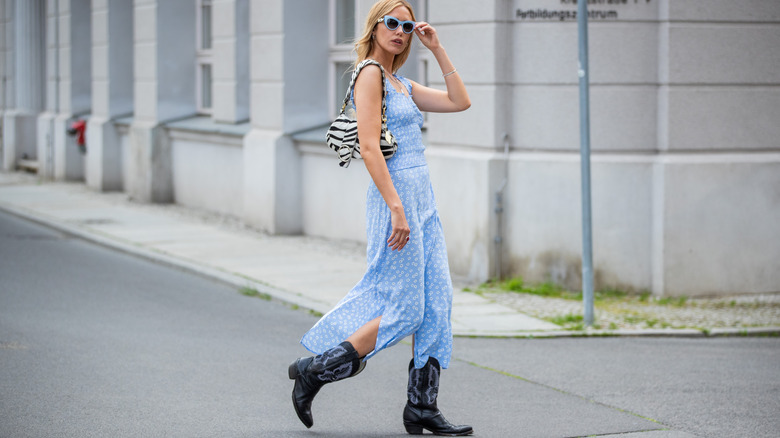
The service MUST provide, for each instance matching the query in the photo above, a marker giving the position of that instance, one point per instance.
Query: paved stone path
(737, 312)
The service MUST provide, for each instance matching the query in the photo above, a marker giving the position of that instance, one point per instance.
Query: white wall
(333, 198)
(668, 78)
(207, 171)
(125, 154)
(721, 216)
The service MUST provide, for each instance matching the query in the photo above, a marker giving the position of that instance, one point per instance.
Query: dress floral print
(410, 289)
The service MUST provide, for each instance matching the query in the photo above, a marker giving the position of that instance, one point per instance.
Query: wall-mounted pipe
(499, 211)
(48, 163)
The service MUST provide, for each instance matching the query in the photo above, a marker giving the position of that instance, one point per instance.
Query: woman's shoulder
(369, 75)
(370, 68)
(407, 83)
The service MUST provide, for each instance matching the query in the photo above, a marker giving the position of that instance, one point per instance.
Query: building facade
(223, 105)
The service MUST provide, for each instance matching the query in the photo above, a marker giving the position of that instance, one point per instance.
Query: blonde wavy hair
(365, 44)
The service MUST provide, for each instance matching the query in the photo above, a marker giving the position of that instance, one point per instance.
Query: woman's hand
(400, 235)
(427, 35)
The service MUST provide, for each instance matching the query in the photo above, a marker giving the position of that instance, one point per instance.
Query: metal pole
(587, 238)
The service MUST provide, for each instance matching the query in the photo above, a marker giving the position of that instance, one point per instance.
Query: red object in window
(78, 128)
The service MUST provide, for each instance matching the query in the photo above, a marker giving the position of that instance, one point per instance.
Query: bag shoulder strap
(352, 86)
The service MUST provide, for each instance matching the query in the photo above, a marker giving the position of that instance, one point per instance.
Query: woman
(406, 289)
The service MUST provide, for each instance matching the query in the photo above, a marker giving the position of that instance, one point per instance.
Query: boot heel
(292, 370)
(413, 429)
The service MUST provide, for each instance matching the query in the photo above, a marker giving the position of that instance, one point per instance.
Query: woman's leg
(311, 373)
(421, 411)
(432, 341)
(434, 336)
(338, 363)
(364, 339)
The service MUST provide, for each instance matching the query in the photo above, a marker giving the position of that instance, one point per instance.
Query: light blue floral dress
(411, 289)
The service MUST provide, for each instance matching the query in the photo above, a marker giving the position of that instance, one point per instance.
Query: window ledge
(313, 135)
(206, 124)
(124, 121)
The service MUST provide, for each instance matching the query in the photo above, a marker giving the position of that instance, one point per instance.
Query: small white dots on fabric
(410, 289)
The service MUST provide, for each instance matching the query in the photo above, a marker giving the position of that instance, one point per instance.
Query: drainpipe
(56, 56)
(49, 159)
(499, 210)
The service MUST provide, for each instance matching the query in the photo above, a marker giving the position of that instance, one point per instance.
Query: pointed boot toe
(312, 373)
(421, 411)
(303, 392)
(417, 419)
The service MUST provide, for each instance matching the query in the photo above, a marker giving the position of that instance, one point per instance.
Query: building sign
(598, 10)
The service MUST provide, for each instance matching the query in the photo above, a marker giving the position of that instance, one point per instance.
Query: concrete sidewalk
(300, 271)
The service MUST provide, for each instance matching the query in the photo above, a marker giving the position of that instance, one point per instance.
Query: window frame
(203, 57)
(422, 59)
(337, 54)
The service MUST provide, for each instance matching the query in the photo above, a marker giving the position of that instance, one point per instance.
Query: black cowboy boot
(312, 373)
(421, 411)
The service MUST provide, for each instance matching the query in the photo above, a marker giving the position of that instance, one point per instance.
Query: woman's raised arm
(429, 99)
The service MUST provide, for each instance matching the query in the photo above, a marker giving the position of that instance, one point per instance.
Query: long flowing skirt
(410, 289)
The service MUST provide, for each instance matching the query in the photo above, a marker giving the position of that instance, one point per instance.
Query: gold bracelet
(453, 71)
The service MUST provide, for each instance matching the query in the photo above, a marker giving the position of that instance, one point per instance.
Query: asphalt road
(99, 343)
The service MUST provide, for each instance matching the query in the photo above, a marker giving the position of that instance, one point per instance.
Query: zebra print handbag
(342, 135)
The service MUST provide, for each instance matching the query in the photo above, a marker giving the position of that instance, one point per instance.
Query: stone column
(69, 88)
(717, 168)
(29, 52)
(231, 60)
(478, 39)
(6, 65)
(45, 131)
(164, 90)
(19, 136)
(6, 55)
(286, 97)
(112, 90)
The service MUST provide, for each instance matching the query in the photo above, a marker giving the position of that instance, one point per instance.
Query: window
(345, 21)
(204, 59)
(422, 61)
(343, 76)
(205, 86)
(342, 36)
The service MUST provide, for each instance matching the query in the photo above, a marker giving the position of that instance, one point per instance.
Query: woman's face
(393, 41)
